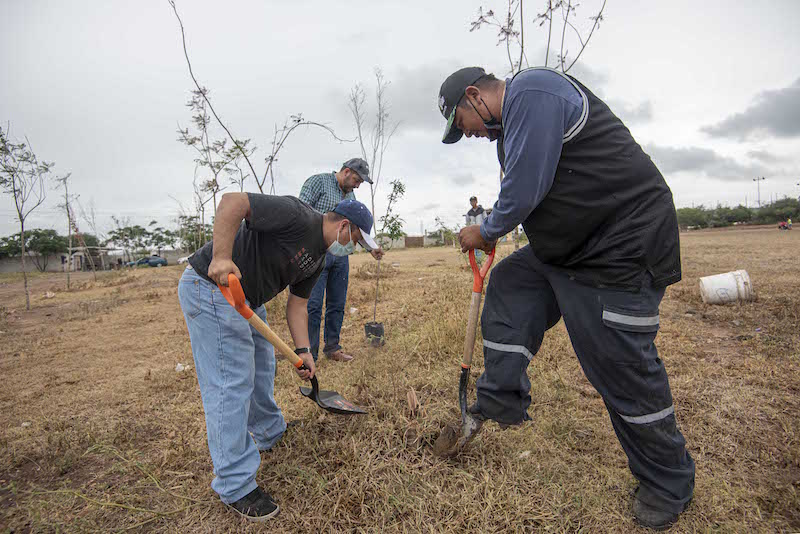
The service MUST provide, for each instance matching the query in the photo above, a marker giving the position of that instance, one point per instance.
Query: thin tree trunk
(24, 274)
(69, 248)
(214, 193)
(69, 230)
(377, 282)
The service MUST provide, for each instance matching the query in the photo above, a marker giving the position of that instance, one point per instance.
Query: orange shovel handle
(479, 274)
(234, 294)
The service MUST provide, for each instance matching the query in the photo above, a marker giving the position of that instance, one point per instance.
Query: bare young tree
(90, 218)
(22, 176)
(72, 230)
(64, 181)
(280, 135)
(235, 169)
(511, 31)
(121, 235)
(279, 139)
(374, 139)
(511, 34)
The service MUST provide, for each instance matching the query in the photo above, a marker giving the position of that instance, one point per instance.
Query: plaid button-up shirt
(322, 192)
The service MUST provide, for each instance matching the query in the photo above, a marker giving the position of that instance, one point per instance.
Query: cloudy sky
(710, 89)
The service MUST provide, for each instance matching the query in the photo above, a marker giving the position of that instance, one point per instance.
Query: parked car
(152, 261)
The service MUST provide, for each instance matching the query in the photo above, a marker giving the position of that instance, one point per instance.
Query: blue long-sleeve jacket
(539, 109)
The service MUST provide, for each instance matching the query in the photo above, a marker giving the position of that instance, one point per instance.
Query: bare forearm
(297, 320)
(232, 209)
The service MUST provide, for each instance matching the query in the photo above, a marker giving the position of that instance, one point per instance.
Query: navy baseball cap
(451, 93)
(358, 214)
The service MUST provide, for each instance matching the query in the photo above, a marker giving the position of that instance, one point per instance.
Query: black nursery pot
(375, 334)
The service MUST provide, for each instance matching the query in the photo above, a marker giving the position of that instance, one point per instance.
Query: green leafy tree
(701, 217)
(161, 237)
(140, 238)
(741, 214)
(391, 223)
(692, 217)
(44, 243)
(192, 234)
(132, 239)
(10, 246)
(91, 240)
(445, 234)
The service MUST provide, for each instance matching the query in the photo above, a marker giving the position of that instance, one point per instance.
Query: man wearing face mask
(324, 192)
(603, 246)
(268, 242)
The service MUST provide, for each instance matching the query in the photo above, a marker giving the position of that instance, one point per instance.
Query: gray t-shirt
(280, 245)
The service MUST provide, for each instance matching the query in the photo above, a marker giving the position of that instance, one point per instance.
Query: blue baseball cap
(358, 214)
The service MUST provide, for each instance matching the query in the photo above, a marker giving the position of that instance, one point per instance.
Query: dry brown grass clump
(99, 433)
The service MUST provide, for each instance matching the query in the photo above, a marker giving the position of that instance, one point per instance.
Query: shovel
(327, 400)
(451, 441)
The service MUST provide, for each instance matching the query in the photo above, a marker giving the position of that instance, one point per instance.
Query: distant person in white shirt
(476, 215)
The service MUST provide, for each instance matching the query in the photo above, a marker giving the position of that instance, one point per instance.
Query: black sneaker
(255, 506)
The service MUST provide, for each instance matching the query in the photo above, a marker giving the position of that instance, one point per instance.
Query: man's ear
(473, 93)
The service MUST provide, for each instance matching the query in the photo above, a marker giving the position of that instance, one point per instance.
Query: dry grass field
(98, 432)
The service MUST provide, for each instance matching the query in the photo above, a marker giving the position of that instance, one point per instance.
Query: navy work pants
(613, 334)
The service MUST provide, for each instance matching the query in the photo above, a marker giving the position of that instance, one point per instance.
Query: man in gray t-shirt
(270, 243)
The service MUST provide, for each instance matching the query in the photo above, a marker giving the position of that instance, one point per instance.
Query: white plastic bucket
(727, 287)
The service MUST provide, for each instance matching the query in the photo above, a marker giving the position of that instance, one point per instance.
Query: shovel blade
(453, 439)
(330, 400)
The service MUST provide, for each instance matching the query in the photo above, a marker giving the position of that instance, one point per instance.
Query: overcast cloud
(704, 161)
(99, 87)
(772, 113)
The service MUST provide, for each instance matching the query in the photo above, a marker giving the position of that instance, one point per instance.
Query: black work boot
(652, 517)
(255, 506)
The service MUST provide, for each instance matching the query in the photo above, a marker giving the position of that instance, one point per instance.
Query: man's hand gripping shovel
(452, 440)
(327, 400)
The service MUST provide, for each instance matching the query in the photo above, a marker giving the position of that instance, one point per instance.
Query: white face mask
(337, 249)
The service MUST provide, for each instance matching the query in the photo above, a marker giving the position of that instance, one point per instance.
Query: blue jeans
(236, 372)
(333, 281)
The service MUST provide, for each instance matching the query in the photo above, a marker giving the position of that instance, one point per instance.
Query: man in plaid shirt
(323, 192)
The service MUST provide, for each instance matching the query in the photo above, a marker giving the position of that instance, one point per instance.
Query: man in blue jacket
(603, 246)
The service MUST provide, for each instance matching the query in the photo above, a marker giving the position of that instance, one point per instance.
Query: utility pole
(758, 181)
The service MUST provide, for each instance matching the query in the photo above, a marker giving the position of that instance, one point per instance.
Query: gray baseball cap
(361, 168)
